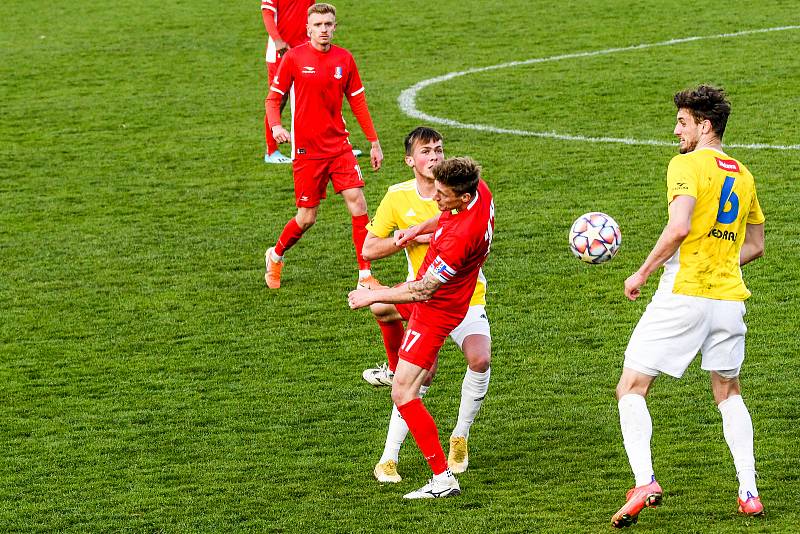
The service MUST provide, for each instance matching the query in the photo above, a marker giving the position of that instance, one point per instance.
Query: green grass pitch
(149, 382)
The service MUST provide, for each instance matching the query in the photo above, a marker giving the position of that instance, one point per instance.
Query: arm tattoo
(425, 288)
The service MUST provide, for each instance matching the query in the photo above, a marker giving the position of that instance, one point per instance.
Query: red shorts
(311, 177)
(425, 334)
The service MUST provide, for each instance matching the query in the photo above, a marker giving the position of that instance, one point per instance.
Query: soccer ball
(594, 237)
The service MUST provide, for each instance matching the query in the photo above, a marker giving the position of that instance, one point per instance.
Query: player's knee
(477, 350)
(627, 387)
(724, 386)
(305, 220)
(380, 312)
(356, 201)
(479, 363)
(402, 394)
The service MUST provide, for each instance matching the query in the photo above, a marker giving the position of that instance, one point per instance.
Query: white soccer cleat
(458, 457)
(379, 376)
(435, 490)
(387, 472)
(276, 157)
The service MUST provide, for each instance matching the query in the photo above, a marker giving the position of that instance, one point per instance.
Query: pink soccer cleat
(752, 506)
(637, 498)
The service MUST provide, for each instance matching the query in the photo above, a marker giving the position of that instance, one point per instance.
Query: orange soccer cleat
(369, 282)
(752, 506)
(648, 495)
(273, 275)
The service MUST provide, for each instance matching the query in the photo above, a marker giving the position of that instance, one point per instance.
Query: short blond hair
(322, 9)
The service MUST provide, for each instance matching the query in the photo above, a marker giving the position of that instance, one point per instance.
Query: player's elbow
(679, 230)
(367, 253)
(369, 250)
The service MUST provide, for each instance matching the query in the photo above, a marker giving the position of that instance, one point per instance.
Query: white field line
(408, 98)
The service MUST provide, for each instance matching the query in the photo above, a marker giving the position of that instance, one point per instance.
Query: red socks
(359, 235)
(392, 333)
(291, 234)
(425, 433)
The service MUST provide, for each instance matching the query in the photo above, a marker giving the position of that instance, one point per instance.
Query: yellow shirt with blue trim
(707, 262)
(403, 207)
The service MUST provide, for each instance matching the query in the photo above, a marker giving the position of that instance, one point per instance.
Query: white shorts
(674, 328)
(475, 322)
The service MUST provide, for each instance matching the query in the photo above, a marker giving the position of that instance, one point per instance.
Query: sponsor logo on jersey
(301, 150)
(725, 235)
(681, 186)
(411, 213)
(309, 70)
(337, 73)
(728, 164)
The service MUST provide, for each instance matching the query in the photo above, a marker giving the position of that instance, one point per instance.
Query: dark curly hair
(706, 103)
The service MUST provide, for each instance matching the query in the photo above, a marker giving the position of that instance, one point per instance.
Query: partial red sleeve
(268, 13)
(273, 106)
(280, 85)
(358, 104)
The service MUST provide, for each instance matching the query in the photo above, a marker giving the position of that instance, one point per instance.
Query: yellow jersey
(402, 207)
(707, 261)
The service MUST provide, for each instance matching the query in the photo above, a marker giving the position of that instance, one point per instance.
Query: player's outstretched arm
(753, 246)
(403, 237)
(415, 291)
(378, 247)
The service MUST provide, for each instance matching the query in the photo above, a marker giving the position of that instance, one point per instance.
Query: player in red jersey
(285, 21)
(322, 75)
(437, 301)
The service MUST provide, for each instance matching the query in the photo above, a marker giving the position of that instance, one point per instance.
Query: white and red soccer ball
(594, 237)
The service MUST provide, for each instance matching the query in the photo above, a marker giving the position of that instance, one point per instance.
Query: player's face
(425, 157)
(320, 29)
(688, 131)
(447, 199)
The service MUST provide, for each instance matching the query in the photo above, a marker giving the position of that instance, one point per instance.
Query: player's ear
(409, 161)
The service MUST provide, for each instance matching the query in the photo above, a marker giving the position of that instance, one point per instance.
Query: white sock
(396, 435)
(364, 273)
(473, 391)
(274, 257)
(738, 429)
(637, 429)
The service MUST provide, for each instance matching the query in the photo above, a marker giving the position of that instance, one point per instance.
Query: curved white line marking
(408, 98)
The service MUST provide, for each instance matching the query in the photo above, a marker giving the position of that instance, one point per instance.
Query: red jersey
(321, 81)
(458, 249)
(290, 17)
